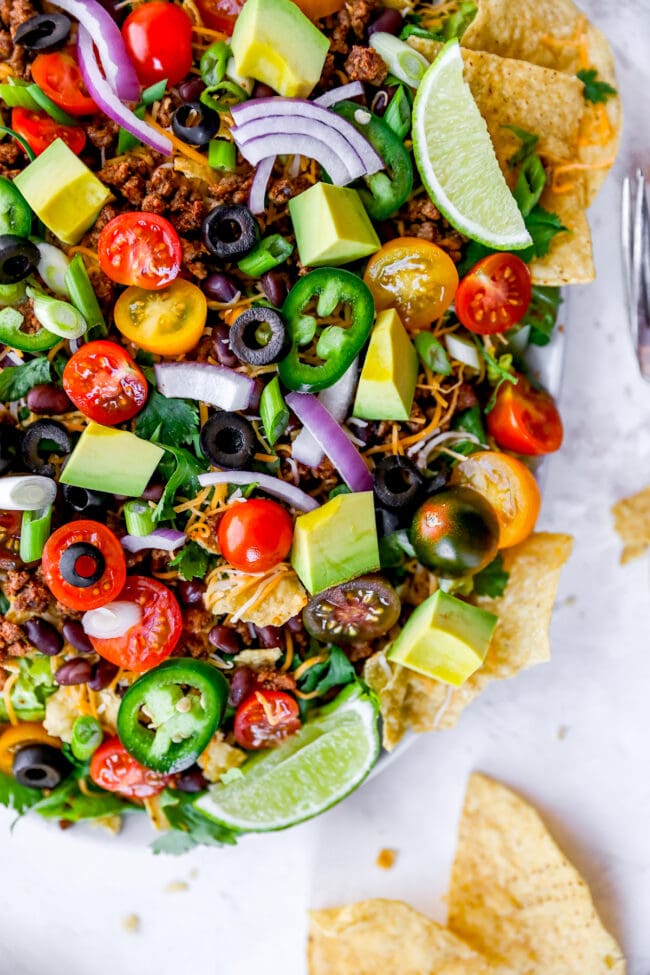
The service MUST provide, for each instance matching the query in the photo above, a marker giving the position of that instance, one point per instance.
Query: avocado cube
(445, 638)
(390, 371)
(63, 192)
(111, 460)
(336, 542)
(274, 42)
(331, 226)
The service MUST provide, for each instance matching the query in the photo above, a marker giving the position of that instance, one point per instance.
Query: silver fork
(635, 242)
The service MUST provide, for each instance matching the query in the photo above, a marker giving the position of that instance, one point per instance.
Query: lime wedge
(328, 758)
(456, 159)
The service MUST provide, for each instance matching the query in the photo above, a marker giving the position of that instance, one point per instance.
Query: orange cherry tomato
(413, 276)
(255, 535)
(20, 735)
(316, 9)
(84, 565)
(140, 249)
(495, 295)
(265, 719)
(103, 381)
(510, 488)
(158, 38)
(59, 76)
(113, 769)
(40, 131)
(525, 420)
(220, 14)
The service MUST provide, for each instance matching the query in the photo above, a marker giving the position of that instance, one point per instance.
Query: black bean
(76, 671)
(191, 90)
(389, 21)
(191, 780)
(103, 673)
(48, 400)
(295, 624)
(153, 491)
(269, 636)
(274, 285)
(191, 593)
(221, 345)
(43, 636)
(219, 287)
(242, 685)
(75, 635)
(226, 639)
(263, 91)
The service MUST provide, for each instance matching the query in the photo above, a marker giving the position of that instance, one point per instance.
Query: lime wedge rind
(323, 763)
(456, 160)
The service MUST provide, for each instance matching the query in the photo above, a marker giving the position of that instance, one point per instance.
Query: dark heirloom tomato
(84, 565)
(255, 535)
(39, 131)
(525, 420)
(495, 295)
(158, 38)
(151, 640)
(103, 381)
(265, 719)
(59, 76)
(361, 609)
(113, 769)
(220, 14)
(455, 532)
(140, 249)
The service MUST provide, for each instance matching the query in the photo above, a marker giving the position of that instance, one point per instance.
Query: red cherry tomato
(59, 76)
(265, 719)
(113, 769)
(103, 381)
(525, 420)
(255, 535)
(495, 295)
(158, 38)
(220, 14)
(140, 249)
(93, 574)
(151, 640)
(40, 131)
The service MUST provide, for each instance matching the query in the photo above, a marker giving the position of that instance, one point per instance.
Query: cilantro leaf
(15, 796)
(4, 603)
(191, 561)
(394, 549)
(595, 90)
(474, 252)
(68, 802)
(170, 420)
(527, 148)
(180, 469)
(492, 580)
(189, 827)
(542, 227)
(333, 672)
(16, 381)
(542, 314)
(499, 371)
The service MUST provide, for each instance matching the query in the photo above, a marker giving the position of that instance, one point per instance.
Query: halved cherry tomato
(151, 640)
(158, 38)
(103, 381)
(59, 76)
(510, 488)
(495, 295)
(113, 769)
(255, 535)
(525, 420)
(40, 131)
(413, 276)
(265, 719)
(167, 322)
(140, 249)
(96, 573)
(221, 14)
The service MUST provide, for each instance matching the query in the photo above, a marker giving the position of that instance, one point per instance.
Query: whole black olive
(82, 565)
(9, 447)
(228, 440)
(398, 482)
(230, 231)
(18, 258)
(259, 337)
(43, 32)
(49, 437)
(39, 766)
(195, 123)
(82, 501)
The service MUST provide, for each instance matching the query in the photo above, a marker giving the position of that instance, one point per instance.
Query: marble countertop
(573, 736)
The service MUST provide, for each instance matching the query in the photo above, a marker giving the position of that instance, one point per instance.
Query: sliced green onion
(87, 736)
(83, 297)
(12, 294)
(153, 93)
(398, 113)
(52, 267)
(45, 104)
(139, 518)
(34, 532)
(432, 353)
(222, 155)
(17, 95)
(31, 155)
(214, 63)
(270, 252)
(59, 317)
(401, 59)
(273, 411)
(530, 183)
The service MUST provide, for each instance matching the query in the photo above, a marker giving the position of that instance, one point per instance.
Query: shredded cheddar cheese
(557, 186)
(178, 144)
(288, 650)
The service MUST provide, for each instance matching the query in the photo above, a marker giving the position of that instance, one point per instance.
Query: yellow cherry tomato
(167, 322)
(19, 735)
(413, 276)
(510, 488)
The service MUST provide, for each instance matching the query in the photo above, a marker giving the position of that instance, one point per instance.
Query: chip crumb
(632, 522)
(562, 732)
(131, 923)
(176, 887)
(386, 859)
(194, 873)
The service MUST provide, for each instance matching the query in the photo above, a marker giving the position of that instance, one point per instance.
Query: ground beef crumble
(27, 590)
(364, 64)
(13, 642)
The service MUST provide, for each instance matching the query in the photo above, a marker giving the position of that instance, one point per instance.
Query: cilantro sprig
(595, 90)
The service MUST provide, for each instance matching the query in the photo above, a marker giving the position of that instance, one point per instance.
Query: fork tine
(626, 248)
(643, 298)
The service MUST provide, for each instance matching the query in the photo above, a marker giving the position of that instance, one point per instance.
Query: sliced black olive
(387, 521)
(43, 32)
(398, 482)
(44, 437)
(39, 766)
(455, 532)
(358, 610)
(82, 565)
(228, 440)
(18, 258)
(195, 123)
(9, 447)
(82, 501)
(259, 337)
(230, 231)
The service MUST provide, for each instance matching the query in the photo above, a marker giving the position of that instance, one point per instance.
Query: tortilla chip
(382, 937)
(521, 639)
(264, 600)
(516, 898)
(570, 258)
(632, 522)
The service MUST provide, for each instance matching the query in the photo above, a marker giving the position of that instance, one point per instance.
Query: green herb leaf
(16, 381)
(68, 802)
(474, 252)
(527, 148)
(499, 371)
(15, 796)
(542, 227)
(333, 672)
(542, 314)
(171, 420)
(180, 469)
(492, 580)
(189, 827)
(595, 90)
(4, 603)
(191, 562)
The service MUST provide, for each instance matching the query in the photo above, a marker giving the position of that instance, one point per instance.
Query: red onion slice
(354, 89)
(288, 493)
(109, 102)
(167, 539)
(115, 61)
(326, 431)
(216, 385)
(257, 194)
(315, 128)
(336, 399)
(303, 145)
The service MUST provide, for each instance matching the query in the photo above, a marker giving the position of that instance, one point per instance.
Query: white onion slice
(270, 485)
(26, 492)
(462, 350)
(166, 539)
(354, 89)
(111, 620)
(216, 385)
(336, 399)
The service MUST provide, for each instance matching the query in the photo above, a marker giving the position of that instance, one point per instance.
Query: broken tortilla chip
(410, 701)
(632, 522)
(515, 897)
(382, 937)
(269, 599)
